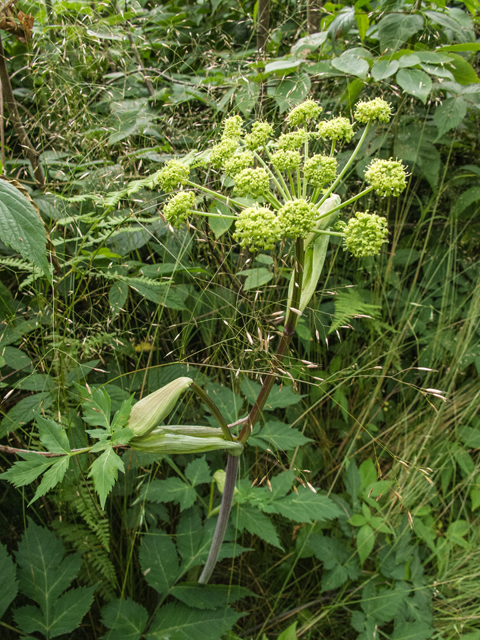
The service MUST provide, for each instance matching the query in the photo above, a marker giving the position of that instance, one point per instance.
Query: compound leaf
(105, 473)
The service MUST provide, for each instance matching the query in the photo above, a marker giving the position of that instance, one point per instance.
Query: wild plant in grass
(281, 192)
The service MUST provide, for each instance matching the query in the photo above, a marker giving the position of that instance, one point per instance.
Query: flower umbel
(320, 170)
(308, 110)
(257, 228)
(293, 140)
(387, 177)
(284, 160)
(376, 109)
(336, 129)
(253, 182)
(173, 174)
(232, 127)
(238, 162)
(365, 234)
(261, 132)
(297, 218)
(178, 208)
(222, 152)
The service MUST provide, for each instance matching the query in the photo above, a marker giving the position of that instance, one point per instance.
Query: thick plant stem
(16, 120)
(227, 498)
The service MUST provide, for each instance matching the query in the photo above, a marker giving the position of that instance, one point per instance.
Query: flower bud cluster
(232, 128)
(365, 234)
(320, 170)
(297, 218)
(257, 228)
(336, 129)
(387, 177)
(254, 182)
(293, 140)
(308, 110)
(238, 162)
(178, 208)
(223, 151)
(284, 160)
(261, 132)
(173, 174)
(376, 109)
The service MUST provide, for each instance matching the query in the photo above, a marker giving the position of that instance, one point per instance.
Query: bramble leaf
(179, 622)
(52, 477)
(126, 620)
(22, 473)
(159, 561)
(52, 435)
(171, 490)
(198, 471)
(105, 473)
(97, 409)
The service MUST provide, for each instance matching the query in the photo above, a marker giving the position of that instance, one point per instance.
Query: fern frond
(348, 305)
(17, 263)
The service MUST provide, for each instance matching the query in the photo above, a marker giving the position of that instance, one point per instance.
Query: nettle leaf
(53, 476)
(22, 228)
(126, 620)
(209, 596)
(382, 605)
(198, 471)
(44, 574)
(22, 473)
(277, 435)
(415, 82)
(97, 409)
(176, 621)
(159, 561)
(412, 631)
(171, 490)
(9, 582)
(105, 473)
(254, 521)
(305, 506)
(52, 435)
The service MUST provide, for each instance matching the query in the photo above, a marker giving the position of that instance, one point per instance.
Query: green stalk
(347, 166)
(332, 150)
(212, 215)
(213, 408)
(217, 196)
(292, 184)
(285, 191)
(299, 183)
(272, 177)
(347, 202)
(305, 158)
(272, 200)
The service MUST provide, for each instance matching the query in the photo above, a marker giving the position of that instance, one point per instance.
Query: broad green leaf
(368, 473)
(117, 297)
(382, 605)
(290, 633)
(310, 43)
(449, 114)
(176, 621)
(464, 200)
(159, 561)
(120, 418)
(9, 582)
(277, 435)
(22, 473)
(415, 82)
(363, 23)
(15, 358)
(171, 490)
(104, 472)
(351, 64)
(52, 435)
(396, 28)
(80, 372)
(280, 396)
(256, 278)
(218, 225)
(412, 631)
(23, 412)
(463, 72)
(306, 506)
(52, 477)
(408, 60)
(365, 542)
(384, 69)
(97, 409)
(438, 70)
(352, 479)
(22, 228)
(189, 535)
(467, 46)
(198, 471)
(37, 382)
(228, 402)
(357, 520)
(209, 596)
(69, 610)
(475, 498)
(282, 65)
(126, 620)
(256, 522)
(290, 91)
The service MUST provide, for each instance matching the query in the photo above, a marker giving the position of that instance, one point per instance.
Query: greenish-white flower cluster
(257, 228)
(286, 160)
(308, 110)
(173, 174)
(320, 170)
(297, 218)
(178, 208)
(253, 182)
(238, 162)
(365, 234)
(336, 129)
(261, 132)
(293, 140)
(223, 151)
(232, 127)
(387, 177)
(376, 109)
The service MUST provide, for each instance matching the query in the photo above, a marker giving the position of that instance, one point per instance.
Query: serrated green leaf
(365, 542)
(176, 621)
(412, 631)
(69, 610)
(171, 490)
(463, 72)
(277, 435)
(120, 418)
(52, 435)
(305, 506)
(117, 297)
(36, 381)
(228, 402)
(209, 596)
(9, 582)
(105, 473)
(382, 605)
(22, 228)
(198, 471)
(189, 535)
(290, 633)
(220, 225)
(357, 520)
(256, 522)
(126, 620)
(23, 412)
(368, 473)
(52, 477)
(22, 473)
(97, 409)
(159, 561)
(280, 396)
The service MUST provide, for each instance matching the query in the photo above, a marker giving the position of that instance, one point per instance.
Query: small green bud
(387, 177)
(232, 127)
(297, 218)
(336, 129)
(365, 234)
(185, 439)
(284, 160)
(254, 182)
(238, 162)
(173, 174)
(222, 152)
(293, 140)
(257, 228)
(320, 170)
(308, 110)
(149, 412)
(376, 109)
(178, 208)
(261, 132)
